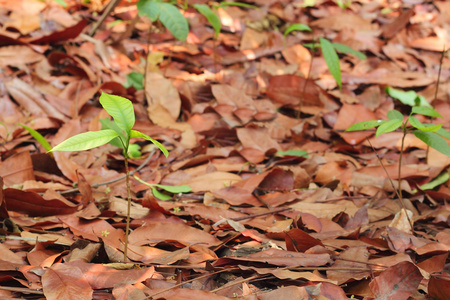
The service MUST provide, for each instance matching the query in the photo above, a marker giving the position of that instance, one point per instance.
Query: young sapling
(121, 109)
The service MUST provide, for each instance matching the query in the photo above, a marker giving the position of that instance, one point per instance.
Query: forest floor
(265, 194)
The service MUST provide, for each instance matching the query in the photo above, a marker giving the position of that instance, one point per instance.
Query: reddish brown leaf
(439, 286)
(349, 115)
(284, 258)
(391, 29)
(299, 241)
(397, 282)
(288, 90)
(59, 36)
(63, 281)
(33, 204)
(101, 277)
(155, 233)
(351, 258)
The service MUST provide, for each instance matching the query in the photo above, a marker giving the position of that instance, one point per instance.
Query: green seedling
(168, 14)
(328, 50)
(175, 22)
(431, 134)
(120, 132)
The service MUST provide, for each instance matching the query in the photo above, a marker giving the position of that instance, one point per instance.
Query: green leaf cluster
(175, 22)
(118, 132)
(431, 134)
(168, 14)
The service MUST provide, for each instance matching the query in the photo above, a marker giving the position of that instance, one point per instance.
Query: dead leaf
(156, 233)
(398, 281)
(63, 281)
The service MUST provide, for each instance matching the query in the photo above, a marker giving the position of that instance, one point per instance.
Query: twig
(21, 290)
(190, 280)
(261, 214)
(436, 93)
(397, 192)
(236, 282)
(96, 185)
(109, 8)
(21, 238)
(384, 168)
(360, 262)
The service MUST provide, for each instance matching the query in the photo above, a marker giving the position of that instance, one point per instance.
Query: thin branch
(397, 192)
(109, 8)
(21, 290)
(384, 168)
(29, 239)
(187, 281)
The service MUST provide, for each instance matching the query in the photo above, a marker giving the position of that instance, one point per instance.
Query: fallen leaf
(63, 281)
(398, 281)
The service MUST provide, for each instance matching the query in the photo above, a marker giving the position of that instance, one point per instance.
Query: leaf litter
(281, 201)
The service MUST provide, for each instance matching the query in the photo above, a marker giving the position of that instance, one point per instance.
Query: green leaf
(108, 124)
(394, 114)
(297, 27)
(300, 153)
(160, 195)
(433, 140)
(87, 140)
(168, 14)
(121, 109)
(135, 133)
(38, 137)
(311, 46)
(443, 132)
(408, 98)
(426, 111)
(364, 125)
(332, 60)
(148, 8)
(175, 189)
(135, 80)
(346, 49)
(240, 4)
(134, 151)
(437, 181)
(212, 17)
(389, 126)
(423, 127)
(61, 2)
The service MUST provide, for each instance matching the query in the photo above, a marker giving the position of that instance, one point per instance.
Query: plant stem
(404, 130)
(313, 50)
(436, 93)
(127, 229)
